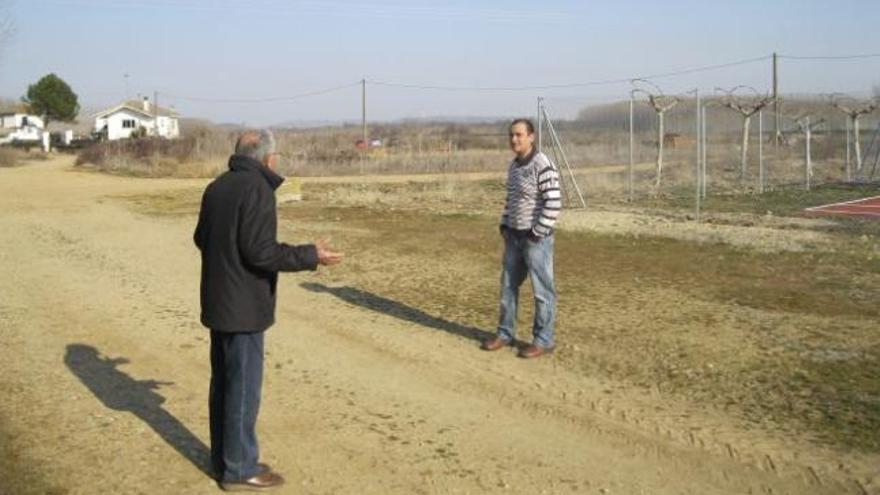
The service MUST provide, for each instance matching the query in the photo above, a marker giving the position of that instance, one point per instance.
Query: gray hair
(255, 144)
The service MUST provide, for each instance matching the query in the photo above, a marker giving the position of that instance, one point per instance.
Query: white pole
(629, 180)
(364, 112)
(848, 146)
(705, 143)
(699, 155)
(809, 166)
(856, 144)
(540, 124)
(761, 151)
(555, 137)
(364, 141)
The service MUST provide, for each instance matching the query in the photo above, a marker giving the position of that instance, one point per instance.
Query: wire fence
(611, 137)
(714, 139)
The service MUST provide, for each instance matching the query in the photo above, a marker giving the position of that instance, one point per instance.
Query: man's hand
(326, 255)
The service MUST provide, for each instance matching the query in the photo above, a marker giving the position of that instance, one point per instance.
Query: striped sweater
(533, 195)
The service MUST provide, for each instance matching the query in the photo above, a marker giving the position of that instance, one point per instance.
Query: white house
(128, 117)
(20, 127)
(17, 120)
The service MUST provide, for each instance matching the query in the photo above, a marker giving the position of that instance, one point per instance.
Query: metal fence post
(848, 147)
(629, 180)
(807, 165)
(540, 123)
(761, 151)
(705, 143)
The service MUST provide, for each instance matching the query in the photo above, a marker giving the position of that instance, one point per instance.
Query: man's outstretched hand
(326, 254)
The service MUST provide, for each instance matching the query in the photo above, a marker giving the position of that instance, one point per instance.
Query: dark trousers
(234, 401)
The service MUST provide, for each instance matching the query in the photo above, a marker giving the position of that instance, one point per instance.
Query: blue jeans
(234, 401)
(533, 258)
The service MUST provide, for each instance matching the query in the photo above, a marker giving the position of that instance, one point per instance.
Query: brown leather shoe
(494, 343)
(265, 481)
(262, 467)
(533, 351)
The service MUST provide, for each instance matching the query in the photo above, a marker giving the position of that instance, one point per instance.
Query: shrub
(9, 157)
(150, 157)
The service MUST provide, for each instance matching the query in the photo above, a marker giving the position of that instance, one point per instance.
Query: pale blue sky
(260, 49)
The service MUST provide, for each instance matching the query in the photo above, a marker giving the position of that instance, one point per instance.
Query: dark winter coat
(241, 256)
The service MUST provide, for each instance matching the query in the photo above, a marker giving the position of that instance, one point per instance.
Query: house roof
(137, 107)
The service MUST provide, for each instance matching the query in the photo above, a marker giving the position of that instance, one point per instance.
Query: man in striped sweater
(530, 212)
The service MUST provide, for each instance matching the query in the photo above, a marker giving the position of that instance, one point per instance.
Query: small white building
(131, 116)
(17, 120)
(20, 127)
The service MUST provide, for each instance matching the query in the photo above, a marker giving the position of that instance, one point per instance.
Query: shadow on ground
(398, 310)
(120, 392)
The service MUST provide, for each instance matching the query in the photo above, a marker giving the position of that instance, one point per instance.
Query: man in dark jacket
(241, 258)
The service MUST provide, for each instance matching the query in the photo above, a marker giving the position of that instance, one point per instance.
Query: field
(735, 355)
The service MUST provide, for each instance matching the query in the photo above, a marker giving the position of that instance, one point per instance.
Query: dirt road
(105, 372)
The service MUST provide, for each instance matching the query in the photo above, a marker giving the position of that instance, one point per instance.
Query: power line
(262, 100)
(832, 57)
(384, 10)
(707, 68)
(601, 82)
(570, 85)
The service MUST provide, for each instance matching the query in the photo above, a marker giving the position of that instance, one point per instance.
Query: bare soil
(738, 356)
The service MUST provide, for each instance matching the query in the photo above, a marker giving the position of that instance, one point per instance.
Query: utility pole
(698, 180)
(775, 101)
(156, 113)
(364, 111)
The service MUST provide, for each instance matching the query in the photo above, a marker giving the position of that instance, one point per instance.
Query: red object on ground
(865, 207)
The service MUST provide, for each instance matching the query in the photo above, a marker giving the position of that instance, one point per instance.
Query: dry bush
(407, 148)
(599, 137)
(151, 157)
(10, 157)
(37, 156)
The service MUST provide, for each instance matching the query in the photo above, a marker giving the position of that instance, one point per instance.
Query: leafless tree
(661, 103)
(806, 124)
(855, 109)
(747, 106)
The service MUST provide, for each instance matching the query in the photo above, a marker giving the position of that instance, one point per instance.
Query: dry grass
(781, 339)
(781, 336)
(148, 158)
(10, 157)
